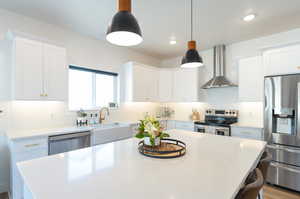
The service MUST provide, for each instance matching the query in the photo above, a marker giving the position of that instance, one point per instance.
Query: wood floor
(270, 192)
(3, 196)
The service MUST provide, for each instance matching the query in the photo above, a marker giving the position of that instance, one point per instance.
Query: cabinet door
(55, 73)
(251, 79)
(186, 85)
(28, 70)
(283, 60)
(247, 133)
(145, 84)
(188, 126)
(139, 92)
(17, 182)
(152, 84)
(165, 85)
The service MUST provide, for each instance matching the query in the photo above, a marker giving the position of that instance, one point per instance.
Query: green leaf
(139, 135)
(152, 141)
(164, 135)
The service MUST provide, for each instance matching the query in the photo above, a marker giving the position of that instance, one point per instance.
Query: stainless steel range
(282, 129)
(217, 122)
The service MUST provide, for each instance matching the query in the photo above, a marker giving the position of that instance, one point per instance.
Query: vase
(148, 142)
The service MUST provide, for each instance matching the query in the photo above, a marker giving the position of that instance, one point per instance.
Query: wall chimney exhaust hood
(219, 80)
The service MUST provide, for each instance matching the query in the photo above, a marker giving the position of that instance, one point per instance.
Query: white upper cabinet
(283, 60)
(139, 83)
(165, 85)
(55, 73)
(251, 79)
(28, 70)
(186, 85)
(39, 70)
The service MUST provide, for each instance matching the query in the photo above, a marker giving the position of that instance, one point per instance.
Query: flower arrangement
(151, 131)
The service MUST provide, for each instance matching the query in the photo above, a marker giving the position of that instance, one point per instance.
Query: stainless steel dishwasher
(68, 142)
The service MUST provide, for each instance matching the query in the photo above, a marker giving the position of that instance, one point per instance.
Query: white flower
(150, 128)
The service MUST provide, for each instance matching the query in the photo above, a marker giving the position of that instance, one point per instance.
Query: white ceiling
(216, 21)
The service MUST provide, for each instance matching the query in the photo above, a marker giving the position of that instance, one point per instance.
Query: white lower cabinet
(247, 132)
(170, 124)
(23, 150)
(184, 125)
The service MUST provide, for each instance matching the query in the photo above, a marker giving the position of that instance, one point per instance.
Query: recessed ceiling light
(249, 17)
(173, 42)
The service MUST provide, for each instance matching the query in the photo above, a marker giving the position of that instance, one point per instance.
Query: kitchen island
(214, 167)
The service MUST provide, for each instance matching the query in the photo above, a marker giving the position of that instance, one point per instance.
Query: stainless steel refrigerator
(282, 129)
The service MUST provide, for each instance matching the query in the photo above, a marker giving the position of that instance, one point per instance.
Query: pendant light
(191, 59)
(124, 29)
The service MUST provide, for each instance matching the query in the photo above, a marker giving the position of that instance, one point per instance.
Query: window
(90, 89)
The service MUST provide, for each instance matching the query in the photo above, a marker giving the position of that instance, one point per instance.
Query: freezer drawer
(284, 154)
(284, 175)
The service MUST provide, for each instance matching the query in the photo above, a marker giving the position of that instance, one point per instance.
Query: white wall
(228, 97)
(81, 51)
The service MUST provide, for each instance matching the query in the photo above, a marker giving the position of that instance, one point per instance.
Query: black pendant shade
(191, 59)
(124, 29)
(191, 56)
(124, 21)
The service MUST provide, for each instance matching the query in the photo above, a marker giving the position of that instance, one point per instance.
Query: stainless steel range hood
(219, 80)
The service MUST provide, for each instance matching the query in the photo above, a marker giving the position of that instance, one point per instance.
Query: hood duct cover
(219, 80)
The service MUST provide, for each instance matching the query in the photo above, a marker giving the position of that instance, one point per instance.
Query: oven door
(199, 128)
(222, 131)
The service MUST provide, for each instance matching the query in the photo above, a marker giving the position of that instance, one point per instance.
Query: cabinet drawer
(284, 175)
(30, 155)
(289, 155)
(30, 145)
(189, 126)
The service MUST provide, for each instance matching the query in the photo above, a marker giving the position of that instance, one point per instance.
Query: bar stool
(263, 166)
(253, 184)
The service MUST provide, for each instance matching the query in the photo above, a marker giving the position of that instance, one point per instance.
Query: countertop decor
(168, 148)
(151, 131)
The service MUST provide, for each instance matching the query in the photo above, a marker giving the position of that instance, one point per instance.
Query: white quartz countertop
(214, 167)
(15, 134)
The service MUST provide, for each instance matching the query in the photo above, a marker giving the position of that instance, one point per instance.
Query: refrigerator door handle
(283, 149)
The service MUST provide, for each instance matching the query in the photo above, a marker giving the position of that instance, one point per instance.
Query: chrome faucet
(102, 115)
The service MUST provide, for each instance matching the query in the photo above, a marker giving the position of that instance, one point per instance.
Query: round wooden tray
(169, 148)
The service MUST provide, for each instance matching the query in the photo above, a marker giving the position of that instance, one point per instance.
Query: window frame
(94, 73)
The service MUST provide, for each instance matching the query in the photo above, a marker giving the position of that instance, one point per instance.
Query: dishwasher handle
(69, 136)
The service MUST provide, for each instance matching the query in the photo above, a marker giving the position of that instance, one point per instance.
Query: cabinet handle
(31, 145)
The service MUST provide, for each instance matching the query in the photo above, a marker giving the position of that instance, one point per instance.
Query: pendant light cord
(191, 19)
